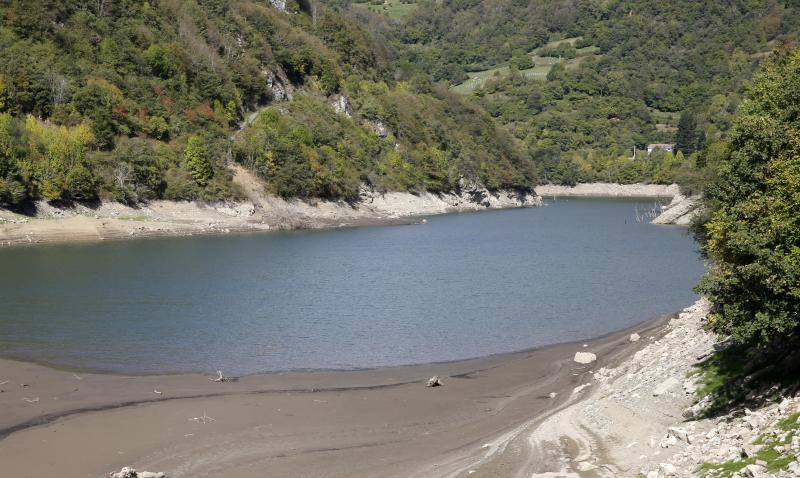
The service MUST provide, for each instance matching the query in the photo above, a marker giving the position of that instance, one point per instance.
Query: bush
(753, 234)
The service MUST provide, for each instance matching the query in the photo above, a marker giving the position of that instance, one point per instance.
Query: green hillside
(140, 100)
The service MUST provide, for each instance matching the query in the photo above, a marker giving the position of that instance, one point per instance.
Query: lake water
(462, 285)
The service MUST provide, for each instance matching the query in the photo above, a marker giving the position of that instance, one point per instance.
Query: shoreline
(260, 212)
(610, 190)
(478, 394)
(257, 212)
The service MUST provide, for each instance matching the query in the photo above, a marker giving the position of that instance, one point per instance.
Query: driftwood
(129, 472)
(157, 392)
(219, 377)
(434, 381)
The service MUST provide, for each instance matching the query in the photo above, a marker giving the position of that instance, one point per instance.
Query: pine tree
(196, 157)
(687, 139)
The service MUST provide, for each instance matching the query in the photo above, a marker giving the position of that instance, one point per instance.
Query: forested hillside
(583, 83)
(136, 100)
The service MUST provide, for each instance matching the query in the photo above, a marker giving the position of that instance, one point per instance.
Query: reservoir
(455, 287)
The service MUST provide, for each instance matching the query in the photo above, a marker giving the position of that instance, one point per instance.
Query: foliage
(197, 161)
(688, 139)
(138, 101)
(306, 149)
(754, 232)
(636, 65)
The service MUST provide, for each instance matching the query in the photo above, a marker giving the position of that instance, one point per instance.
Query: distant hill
(583, 83)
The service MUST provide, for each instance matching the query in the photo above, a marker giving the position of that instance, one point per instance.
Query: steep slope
(136, 101)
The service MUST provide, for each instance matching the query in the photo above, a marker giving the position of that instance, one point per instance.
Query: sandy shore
(381, 422)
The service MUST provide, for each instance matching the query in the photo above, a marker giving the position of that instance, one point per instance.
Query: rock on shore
(680, 211)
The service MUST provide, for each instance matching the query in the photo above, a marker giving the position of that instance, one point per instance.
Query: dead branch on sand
(129, 472)
(219, 377)
(434, 381)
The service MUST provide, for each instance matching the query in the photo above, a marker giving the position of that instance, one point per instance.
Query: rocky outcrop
(279, 5)
(378, 128)
(278, 84)
(681, 211)
(341, 105)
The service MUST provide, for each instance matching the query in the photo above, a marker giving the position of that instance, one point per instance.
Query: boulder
(634, 337)
(753, 470)
(679, 433)
(584, 357)
(667, 469)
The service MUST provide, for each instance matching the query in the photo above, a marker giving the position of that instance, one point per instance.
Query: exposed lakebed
(459, 286)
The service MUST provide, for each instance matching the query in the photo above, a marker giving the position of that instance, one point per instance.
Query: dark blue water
(459, 286)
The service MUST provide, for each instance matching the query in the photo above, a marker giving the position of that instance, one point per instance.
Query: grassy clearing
(775, 458)
(542, 66)
(556, 43)
(391, 8)
(666, 121)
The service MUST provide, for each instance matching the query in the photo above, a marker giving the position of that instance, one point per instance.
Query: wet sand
(380, 422)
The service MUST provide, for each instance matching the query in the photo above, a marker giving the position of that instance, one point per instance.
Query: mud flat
(380, 422)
